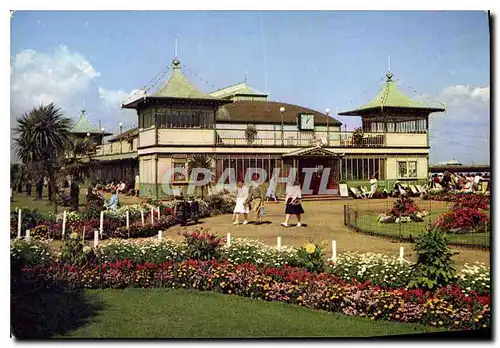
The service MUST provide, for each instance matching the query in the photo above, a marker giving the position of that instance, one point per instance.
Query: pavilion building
(179, 120)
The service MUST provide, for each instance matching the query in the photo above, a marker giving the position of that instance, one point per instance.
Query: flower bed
(404, 210)
(448, 307)
(49, 226)
(466, 199)
(463, 220)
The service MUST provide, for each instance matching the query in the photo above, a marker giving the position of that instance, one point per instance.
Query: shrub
(202, 245)
(463, 220)
(220, 204)
(74, 251)
(434, 266)
(311, 257)
(404, 207)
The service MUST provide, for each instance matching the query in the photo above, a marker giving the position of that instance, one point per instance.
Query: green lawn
(22, 200)
(369, 223)
(143, 313)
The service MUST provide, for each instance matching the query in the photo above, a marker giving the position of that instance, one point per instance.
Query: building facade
(239, 128)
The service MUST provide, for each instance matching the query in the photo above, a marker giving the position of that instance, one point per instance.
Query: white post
(63, 225)
(279, 243)
(160, 235)
(158, 213)
(28, 235)
(334, 250)
(96, 238)
(101, 226)
(128, 220)
(228, 241)
(401, 254)
(152, 216)
(83, 234)
(142, 217)
(19, 223)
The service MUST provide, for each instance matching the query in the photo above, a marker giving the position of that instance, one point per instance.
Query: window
(180, 176)
(412, 169)
(402, 169)
(361, 168)
(407, 169)
(185, 118)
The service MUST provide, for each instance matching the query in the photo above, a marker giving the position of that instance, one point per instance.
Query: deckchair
(413, 190)
(356, 192)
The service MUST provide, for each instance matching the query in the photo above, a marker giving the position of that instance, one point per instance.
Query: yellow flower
(440, 322)
(457, 322)
(479, 316)
(310, 248)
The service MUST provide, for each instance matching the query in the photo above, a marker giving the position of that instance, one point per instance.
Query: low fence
(365, 221)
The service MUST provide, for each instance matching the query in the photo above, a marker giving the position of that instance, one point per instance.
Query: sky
(317, 59)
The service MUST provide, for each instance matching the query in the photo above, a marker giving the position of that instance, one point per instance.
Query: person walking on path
(256, 199)
(241, 207)
(293, 203)
(136, 185)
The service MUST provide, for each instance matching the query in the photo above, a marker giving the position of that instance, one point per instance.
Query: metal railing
(299, 139)
(364, 220)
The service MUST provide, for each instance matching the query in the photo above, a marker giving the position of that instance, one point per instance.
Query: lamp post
(327, 111)
(121, 125)
(282, 110)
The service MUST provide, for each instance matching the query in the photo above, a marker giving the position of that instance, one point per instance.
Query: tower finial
(389, 63)
(83, 106)
(176, 50)
(246, 76)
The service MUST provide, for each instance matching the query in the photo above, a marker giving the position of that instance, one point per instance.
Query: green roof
(238, 89)
(83, 126)
(178, 86)
(390, 96)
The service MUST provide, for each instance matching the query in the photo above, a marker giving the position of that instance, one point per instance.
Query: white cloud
(463, 132)
(67, 79)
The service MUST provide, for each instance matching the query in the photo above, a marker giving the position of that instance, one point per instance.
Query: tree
(250, 134)
(201, 161)
(80, 163)
(43, 138)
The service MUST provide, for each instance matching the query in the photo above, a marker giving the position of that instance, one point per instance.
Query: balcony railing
(117, 148)
(300, 139)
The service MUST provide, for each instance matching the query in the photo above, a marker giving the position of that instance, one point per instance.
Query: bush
(220, 204)
(463, 220)
(74, 251)
(404, 207)
(434, 267)
(202, 245)
(311, 257)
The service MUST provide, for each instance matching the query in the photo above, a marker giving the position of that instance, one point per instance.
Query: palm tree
(43, 139)
(81, 162)
(200, 161)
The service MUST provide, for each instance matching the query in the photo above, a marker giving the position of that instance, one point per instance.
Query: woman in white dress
(241, 207)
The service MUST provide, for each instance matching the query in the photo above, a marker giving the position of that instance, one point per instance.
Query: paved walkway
(324, 222)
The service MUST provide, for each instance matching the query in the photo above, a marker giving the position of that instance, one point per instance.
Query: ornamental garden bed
(145, 220)
(363, 285)
(466, 223)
